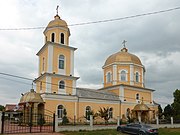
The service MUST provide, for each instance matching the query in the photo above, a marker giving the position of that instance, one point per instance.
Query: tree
(2, 107)
(159, 111)
(65, 119)
(176, 104)
(91, 113)
(168, 111)
(104, 113)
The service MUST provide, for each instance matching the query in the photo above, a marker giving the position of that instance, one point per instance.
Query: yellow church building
(123, 92)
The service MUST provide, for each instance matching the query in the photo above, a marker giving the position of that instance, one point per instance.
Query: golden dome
(57, 22)
(124, 57)
(141, 107)
(31, 97)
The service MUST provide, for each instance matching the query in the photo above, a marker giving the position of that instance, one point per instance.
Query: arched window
(61, 85)
(62, 38)
(111, 112)
(61, 62)
(52, 37)
(87, 113)
(137, 96)
(60, 111)
(43, 64)
(137, 77)
(123, 75)
(108, 77)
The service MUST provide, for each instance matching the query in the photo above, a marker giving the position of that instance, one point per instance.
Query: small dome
(123, 56)
(31, 97)
(57, 22)
(141, 107)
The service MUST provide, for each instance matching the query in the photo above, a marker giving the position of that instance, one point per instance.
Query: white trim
(114, 75)
(72, 63)
(121, 91)
(50, 59)
(74, 87)
(54, 37)
(122, 63)
(62, 91)
(131, 74)
(142, 77)
(110, 76)
(62, 71)
(126, 79)
(39, 73)
(48, 84)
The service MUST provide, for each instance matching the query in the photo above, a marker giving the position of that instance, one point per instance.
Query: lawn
(162, 131)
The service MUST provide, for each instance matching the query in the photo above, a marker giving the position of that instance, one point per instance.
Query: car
(138, 129)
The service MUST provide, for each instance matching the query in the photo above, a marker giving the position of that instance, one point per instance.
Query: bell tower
(56, 60)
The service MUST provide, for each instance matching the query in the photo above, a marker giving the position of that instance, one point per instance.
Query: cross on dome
(57, 9)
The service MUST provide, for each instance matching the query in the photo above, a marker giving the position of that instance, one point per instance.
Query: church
(123, 91)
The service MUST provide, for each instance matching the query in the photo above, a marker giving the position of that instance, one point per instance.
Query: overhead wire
(20, 77)
(99, 21)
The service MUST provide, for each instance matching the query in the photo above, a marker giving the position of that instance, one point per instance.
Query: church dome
(141, 107)
(57, 22)
(123, 57)
(31, 97)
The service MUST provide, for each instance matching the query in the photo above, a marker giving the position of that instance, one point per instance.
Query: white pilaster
(114, 74)
(74, 88)
(142, 75)
(72, 63)
(48, 84)
(131, 74)
(121, 91)
(50, 59)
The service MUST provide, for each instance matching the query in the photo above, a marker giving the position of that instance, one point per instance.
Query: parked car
(138, 129)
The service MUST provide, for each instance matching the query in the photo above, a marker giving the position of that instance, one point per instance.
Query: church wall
(52, 106)
(61, 51)
(116, 91)
(130, 95)
(123, 67)
(42, 55)
(68, 85)
(57, 35)
(43, 85)
(139, 70)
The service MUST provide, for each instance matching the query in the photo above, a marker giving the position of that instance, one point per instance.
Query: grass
(162, 131)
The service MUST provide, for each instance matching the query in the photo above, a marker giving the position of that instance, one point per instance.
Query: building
(124, 91)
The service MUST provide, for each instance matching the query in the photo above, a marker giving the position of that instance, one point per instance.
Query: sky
(155, 39)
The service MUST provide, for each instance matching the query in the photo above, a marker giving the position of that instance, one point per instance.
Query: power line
(20, 77)
(99, 21)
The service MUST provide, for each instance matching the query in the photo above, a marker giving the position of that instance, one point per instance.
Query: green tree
(104, 113)
(160, 111)
(168, 111)
(65, 119)
(2, 107)
(90, 113)
(176, 104)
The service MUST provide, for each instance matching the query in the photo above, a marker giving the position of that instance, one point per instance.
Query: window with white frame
(62, 38)
(137, 96)
(108, 77)
(61, 84)
(111, 112)
(61, 61)
(53, 37)
(87, 113)
(137, 77)
(123, 76)
(60, 111)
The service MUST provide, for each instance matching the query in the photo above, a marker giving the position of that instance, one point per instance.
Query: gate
(33, 123)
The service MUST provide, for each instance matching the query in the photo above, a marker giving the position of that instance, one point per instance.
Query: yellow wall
(42, 55)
